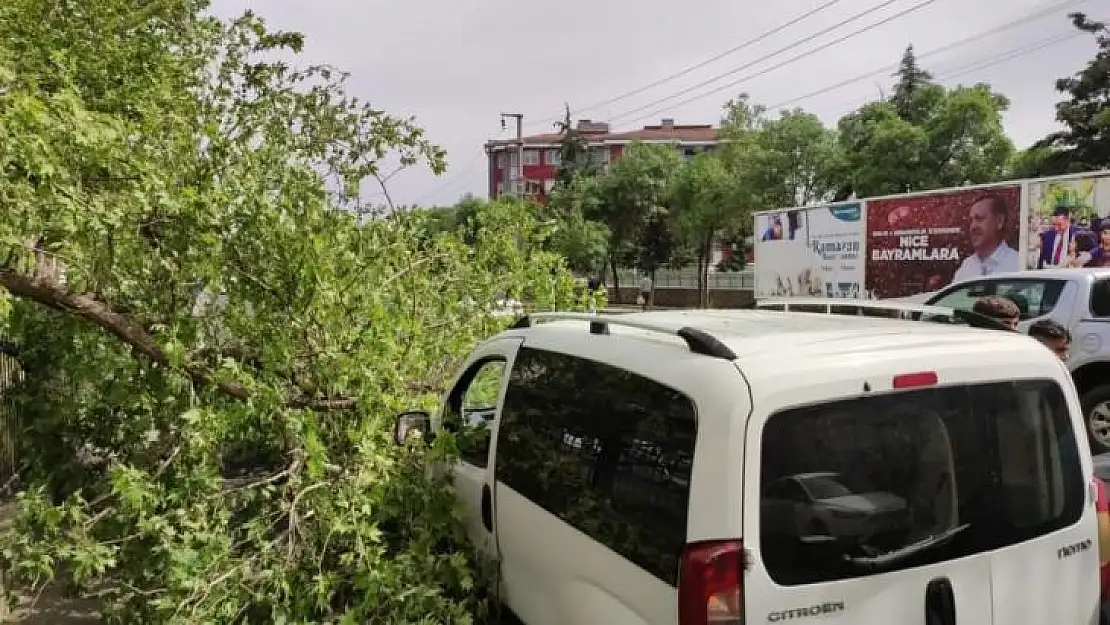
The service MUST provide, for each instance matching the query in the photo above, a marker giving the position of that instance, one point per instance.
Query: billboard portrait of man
(987, 227)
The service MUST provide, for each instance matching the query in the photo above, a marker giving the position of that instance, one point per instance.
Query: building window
(533, 187)
(601, 155)
(502, 160)
(689, 153)
(553, 157)
(531, 157)
(548, 185)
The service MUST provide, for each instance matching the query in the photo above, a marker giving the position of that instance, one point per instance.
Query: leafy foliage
(631, 193)
(959, 140)
(702, 198)
(225, 458)
(797, 161)
(1084, 144)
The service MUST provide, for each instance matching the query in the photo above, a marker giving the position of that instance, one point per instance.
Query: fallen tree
(230, 463)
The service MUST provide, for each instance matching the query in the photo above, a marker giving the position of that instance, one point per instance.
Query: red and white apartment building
(542, 152)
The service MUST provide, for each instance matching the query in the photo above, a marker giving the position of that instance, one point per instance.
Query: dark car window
(1100, 299)
(607, 451)
(911, 478)
(1034, 297)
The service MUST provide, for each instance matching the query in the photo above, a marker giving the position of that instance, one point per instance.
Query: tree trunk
(706, 255)
(651, 296)
(616, 277)
(701, 277)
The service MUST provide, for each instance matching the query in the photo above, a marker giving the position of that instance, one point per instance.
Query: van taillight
(710, 584)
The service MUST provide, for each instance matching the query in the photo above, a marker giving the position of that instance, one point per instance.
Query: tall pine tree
(574, 149)
(912, 81)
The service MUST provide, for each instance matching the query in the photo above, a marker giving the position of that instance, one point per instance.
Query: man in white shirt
(987, 231)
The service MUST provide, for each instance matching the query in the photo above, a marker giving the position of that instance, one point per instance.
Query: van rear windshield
(905, 479)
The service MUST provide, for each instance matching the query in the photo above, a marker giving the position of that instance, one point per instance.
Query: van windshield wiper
(903, 553)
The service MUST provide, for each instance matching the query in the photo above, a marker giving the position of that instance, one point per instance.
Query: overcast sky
(457, 64)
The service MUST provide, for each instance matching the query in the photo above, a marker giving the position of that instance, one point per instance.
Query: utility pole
(517, 173)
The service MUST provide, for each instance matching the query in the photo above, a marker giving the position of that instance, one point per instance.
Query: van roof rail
(699, 341)
(787, 303)
(935, 313)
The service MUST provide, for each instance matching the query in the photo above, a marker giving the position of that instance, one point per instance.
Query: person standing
(644, 300)
(987, 221)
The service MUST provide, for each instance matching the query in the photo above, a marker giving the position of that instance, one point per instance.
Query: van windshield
(897, 480)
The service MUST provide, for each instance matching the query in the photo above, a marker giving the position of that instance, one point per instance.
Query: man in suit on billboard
(1055, 242)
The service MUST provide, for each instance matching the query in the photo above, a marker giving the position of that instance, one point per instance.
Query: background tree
(633, 190)
(658, 245)
(915, 93)
(798, 161)
(582, 241)
(703, 200)
(229, 463)
(576, 160)
(924, 137)
(1084, 143)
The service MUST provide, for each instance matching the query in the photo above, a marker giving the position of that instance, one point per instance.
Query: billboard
(921, 243)
(809, 252)
(1065, 226)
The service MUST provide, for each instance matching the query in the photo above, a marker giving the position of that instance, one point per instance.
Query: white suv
(1078, 299)
(738, 467)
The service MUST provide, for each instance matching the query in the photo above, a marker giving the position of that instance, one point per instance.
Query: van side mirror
(416, 423)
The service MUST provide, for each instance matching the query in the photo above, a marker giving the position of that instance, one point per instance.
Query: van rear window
(905, 479)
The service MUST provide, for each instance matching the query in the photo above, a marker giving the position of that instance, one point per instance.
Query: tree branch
(53, 295)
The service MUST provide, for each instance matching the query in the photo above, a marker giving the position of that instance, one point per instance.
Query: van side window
(607, 451)
(1100, 299)
(471, 408)
(911, 478)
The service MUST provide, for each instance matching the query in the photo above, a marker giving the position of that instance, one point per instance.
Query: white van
(741, 467)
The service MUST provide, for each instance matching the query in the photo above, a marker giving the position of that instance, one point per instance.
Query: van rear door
(916, 506)
(1050, 563)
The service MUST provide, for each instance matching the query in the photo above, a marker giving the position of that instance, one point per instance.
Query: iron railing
(687, 278)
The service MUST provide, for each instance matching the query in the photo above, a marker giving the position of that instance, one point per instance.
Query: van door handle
(940, 602)
(487, 507)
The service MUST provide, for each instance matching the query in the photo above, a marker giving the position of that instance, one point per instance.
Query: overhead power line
(453, 178)
(697, 66)
(1035, 15)
(1012, 54)
(768, 70)
(1009, 55)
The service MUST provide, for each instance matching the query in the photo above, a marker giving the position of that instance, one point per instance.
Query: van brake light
(915, 380)
(710, 584)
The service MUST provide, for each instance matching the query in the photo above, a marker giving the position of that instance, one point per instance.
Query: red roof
(660, 132)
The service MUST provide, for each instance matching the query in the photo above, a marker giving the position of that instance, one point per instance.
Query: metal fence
(687, 278)
(10, 425)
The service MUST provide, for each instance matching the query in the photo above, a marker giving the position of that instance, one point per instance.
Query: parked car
(817, 505)
(1078, 299)
(959, 447)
